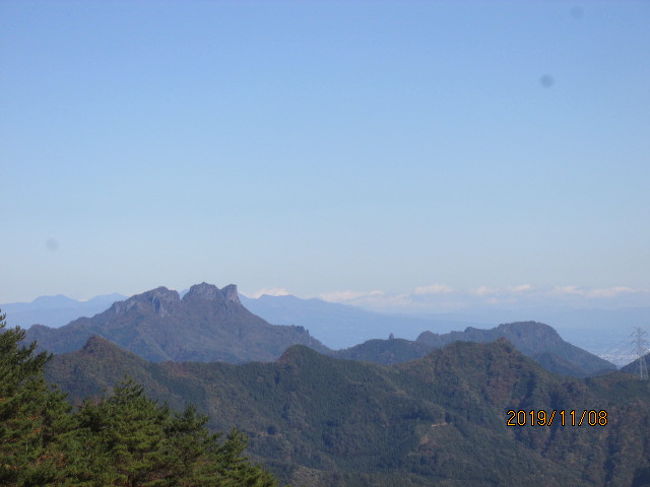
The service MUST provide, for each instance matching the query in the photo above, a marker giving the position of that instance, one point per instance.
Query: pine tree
(126, 436)
(135, 442)
(30, 414)
(205, 461)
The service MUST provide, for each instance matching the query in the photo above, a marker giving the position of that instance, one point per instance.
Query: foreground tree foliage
(124, 440)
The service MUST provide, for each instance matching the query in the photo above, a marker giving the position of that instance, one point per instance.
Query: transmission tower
(641, 346)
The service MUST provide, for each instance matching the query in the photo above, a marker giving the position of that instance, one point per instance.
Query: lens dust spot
(52, 244)
(577, 12)
(546, 81)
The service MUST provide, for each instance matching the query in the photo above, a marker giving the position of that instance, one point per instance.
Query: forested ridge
(317, 421)
(312, 420)
(125, 439)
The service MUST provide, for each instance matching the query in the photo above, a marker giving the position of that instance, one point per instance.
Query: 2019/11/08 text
(561, 417)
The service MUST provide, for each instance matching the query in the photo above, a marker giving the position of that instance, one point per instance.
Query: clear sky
(324, 147)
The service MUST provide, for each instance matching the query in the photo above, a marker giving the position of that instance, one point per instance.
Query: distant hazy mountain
(439, 420)
(55, 311)
(604, 332)
(340, 325)
(206, 324)
(536, 340)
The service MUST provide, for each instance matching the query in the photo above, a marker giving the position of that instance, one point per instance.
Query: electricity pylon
(641, 345)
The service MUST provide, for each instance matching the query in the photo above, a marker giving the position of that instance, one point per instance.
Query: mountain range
(604, 332)
(383, 413)
(336, 325)
(536, 340)
(340, 325)
(207, 324)
(318, 421)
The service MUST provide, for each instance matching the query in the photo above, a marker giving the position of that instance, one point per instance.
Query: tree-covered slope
(439, 420)
(385, 352)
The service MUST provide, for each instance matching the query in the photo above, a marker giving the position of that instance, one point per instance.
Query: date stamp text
(560, 417)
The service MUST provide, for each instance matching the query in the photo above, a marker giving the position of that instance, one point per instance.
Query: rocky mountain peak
(204, 291)
(161, 293)
(230, 293)
(160, 299)
(210, 292)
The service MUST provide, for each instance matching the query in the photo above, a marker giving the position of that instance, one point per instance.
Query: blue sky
(325, 147)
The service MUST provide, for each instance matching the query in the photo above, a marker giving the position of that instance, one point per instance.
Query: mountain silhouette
(207, 324)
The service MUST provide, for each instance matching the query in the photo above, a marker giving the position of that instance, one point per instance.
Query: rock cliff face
(160, 300)
(207, 324)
